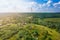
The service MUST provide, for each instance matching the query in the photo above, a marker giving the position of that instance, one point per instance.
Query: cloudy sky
(29, 5)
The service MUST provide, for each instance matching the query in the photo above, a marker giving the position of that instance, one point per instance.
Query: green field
(52, 19)
(28, 32)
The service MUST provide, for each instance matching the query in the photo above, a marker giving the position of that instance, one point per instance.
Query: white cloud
(57, 4)
(40, 7)
(23, 6)
(13, 6)
(49, 3)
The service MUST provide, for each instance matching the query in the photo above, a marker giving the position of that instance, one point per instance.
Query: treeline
(52, 25)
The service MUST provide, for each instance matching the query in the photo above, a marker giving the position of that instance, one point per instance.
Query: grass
(52, 19)
(29, 32)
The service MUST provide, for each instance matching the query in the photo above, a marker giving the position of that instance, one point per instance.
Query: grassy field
(28, 32)
(52, 19)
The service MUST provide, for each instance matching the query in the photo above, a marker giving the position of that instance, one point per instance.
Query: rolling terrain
(30, 26)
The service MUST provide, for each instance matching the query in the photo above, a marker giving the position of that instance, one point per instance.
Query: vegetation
(30, 27)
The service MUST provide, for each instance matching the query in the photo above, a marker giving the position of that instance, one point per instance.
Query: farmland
(52, 19)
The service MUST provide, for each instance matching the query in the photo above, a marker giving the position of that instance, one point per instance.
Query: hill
(30, 26)
(28, 32)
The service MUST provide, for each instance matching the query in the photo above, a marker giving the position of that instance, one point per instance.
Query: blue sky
(29, 5)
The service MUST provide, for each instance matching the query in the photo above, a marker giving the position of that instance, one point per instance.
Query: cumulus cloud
(24, 6)
(40, 7)
(43, 6)
(47, 4)
(57, 4)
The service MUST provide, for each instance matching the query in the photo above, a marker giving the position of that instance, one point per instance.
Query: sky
(29, 5)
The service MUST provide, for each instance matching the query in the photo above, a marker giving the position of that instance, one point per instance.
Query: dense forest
(29, 26)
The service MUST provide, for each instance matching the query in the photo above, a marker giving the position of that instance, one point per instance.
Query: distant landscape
(29, 26)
